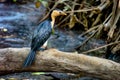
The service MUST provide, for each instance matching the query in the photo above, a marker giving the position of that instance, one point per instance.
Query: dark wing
(38, 29)
(41, 35)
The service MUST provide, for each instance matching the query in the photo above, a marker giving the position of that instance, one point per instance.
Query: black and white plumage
(41, 35)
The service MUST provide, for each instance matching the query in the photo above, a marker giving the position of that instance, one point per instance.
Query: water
(17, 23)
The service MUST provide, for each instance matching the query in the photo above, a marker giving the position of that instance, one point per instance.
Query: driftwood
(11, 60)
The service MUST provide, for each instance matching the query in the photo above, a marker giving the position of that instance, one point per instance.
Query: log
(52, 60)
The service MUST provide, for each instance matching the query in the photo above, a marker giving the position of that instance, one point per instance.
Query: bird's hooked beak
(62, 13)
(56, 13)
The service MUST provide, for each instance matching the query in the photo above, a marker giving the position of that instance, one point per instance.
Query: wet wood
(11, 60)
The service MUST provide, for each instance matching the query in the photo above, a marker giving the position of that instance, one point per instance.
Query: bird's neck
(53, 21)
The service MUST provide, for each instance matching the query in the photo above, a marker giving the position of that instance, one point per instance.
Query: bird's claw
(41, 49)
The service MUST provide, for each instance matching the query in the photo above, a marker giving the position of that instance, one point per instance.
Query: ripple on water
(8, 16)
(17, 23)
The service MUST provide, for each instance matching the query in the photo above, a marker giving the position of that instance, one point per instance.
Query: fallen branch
(113, 43)
(11, 60)
(83, 10)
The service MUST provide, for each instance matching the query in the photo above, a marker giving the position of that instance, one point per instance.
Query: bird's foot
(41, 49)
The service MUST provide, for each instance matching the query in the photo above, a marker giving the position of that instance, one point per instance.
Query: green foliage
(14, 0)
(38, 73)
(44, 2)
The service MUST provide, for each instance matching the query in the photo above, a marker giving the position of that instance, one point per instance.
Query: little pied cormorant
(41, 35)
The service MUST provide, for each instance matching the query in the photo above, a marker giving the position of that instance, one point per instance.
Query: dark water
(17, 23)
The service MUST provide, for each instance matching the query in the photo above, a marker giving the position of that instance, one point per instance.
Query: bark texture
(11, 60)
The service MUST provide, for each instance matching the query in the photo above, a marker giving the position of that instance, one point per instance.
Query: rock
(68, 41)
(62, 76)
(64, 41)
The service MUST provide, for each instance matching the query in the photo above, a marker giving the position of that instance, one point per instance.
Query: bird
(41, 35)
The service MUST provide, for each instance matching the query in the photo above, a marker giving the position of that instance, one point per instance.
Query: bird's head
(56, 13)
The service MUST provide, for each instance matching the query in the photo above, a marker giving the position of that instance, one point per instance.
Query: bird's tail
(30, 58)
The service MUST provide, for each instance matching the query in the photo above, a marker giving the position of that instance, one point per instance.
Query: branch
(11, 60)
(113, 43)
